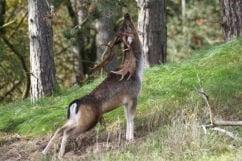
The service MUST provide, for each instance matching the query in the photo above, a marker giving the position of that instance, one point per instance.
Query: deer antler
(129, 63)
(109, 57)
(128, 66)
(105, 61)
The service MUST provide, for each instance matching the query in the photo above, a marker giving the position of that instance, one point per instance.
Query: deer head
(126, 34)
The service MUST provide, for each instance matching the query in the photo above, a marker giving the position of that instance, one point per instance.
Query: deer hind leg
(129, 110)
(57, 133)
(68, 132)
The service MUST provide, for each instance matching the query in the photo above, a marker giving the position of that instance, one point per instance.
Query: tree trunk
(43, 80)
(76, 11)
(104, 36)
(152, 29)
(232, 19)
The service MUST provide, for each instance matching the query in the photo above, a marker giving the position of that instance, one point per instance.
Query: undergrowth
(169, 111)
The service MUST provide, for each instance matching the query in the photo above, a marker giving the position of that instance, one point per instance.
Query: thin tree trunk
(183, 8)
(76, 11)
(43, 80)
(104, 36)
(232, 19)
(152, 29)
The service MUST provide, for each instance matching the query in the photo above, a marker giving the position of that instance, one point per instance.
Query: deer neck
(138, 54)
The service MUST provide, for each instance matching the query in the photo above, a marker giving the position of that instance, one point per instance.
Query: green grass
(42, 117)
(178, 142)
(168, 109)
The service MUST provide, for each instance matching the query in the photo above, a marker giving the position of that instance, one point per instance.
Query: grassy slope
(167, 99)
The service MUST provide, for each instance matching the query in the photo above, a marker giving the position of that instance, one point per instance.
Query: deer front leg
(129, 110)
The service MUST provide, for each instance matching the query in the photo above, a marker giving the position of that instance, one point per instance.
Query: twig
(7, 24)
(79, 26)
(204, 129)
(107, 143)
(19, 24)
(63, 50)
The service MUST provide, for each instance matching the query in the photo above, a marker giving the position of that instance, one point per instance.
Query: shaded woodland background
(189, 27)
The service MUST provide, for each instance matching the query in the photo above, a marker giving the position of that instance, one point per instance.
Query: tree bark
(104, 36)
(152, 30)
(42, 68)
(232, 19)
(76, 10)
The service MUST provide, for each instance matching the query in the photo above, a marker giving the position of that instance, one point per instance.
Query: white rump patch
(73, 110)
(74, 117)
(130, 39)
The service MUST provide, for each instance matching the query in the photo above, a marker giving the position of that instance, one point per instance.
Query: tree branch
(224, 123)
(22, 61)
(205, 97)
(227, 133)
(19, 24)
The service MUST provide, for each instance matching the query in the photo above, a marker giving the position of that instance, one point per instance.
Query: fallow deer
(84, 113)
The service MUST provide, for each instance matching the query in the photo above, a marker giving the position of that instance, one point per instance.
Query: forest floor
(14, 148)
(19, 148)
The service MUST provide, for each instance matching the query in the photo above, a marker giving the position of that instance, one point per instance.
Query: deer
(121, 87)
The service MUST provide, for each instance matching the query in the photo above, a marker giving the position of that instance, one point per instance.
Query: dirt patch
(84, 147)
(18, 148)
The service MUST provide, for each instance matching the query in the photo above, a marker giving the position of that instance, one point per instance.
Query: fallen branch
(205, 97)
(227, 133)
(215, 123)
(228, 123)
(224, 123)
